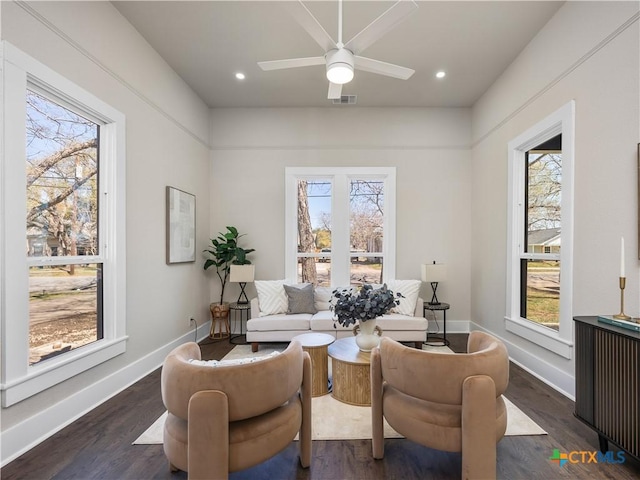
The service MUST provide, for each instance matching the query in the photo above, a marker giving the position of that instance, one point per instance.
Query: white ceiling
(206, 42)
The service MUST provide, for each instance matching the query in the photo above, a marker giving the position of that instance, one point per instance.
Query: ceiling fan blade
(382, 68)
(381, 25)
(291, 63)
(335, 91)
(310, 23)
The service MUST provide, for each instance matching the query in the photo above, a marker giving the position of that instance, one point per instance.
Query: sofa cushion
(396, 322)
(300, 299)
(282, 321)
(410, 289)
(322, 298)
(271, 296)
(323, 321)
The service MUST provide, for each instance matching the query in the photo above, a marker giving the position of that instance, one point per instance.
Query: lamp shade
(242, 273)
(434, 272)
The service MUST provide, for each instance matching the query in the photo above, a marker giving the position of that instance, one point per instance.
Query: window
(65, 286)
(542, 222)
(63, 177)
(540, 233)
(340, 225)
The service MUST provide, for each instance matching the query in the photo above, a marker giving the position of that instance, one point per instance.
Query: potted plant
(224, 252)
(362, 307)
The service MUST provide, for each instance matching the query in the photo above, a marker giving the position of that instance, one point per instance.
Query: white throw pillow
(271, 296)
(232, 361)
(410, 289)
(322, 298)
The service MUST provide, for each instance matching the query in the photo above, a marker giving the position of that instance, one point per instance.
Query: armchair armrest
(478, 427)
(305, 397)
(208, 435)
(377, 425)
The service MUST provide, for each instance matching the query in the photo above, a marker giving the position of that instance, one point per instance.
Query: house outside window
(540, 233)
(340, 225)
(63, 229)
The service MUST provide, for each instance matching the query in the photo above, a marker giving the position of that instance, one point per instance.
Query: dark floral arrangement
(363, 304)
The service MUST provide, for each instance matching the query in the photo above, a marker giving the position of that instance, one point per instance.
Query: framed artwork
(181, 226)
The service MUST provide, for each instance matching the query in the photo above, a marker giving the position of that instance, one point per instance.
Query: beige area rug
(349, 422)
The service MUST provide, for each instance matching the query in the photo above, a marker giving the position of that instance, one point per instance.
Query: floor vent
(345, 100)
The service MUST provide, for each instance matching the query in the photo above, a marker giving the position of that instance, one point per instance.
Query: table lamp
(434, 273)
(242, 274)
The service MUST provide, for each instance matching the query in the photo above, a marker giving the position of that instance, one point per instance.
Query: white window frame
(19, 379)
(562, 121)
(340, 178)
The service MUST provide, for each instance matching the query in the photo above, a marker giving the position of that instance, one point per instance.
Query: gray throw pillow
(300, 299)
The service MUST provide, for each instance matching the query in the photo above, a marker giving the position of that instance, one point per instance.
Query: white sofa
(279, 326)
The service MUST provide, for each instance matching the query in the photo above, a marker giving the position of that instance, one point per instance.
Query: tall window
(63, 229)
(62, 222)
(542, 214)
(340, 225)
(539, 264)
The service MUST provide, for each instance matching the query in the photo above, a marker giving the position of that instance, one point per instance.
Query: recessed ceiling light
(441, 74)
(240, 76)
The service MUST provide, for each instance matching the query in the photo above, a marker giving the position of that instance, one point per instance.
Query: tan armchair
(449, 402)
(227, 418)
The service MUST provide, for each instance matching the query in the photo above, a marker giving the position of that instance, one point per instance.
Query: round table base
(354, 384)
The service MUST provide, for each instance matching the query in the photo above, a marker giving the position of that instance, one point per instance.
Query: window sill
(542, 336)
(57, 370)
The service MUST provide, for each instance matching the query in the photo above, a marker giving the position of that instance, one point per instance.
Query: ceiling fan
(342, 58)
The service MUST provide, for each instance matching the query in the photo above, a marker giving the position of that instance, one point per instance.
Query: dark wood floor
(98, 445)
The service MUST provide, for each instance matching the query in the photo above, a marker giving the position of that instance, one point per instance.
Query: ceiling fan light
(339, 73)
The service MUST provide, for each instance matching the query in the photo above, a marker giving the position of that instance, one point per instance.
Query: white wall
(429, 148)
(449, 209)
(587, 52)
(167, 128)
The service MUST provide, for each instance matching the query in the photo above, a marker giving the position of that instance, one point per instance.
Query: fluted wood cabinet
(608, 382)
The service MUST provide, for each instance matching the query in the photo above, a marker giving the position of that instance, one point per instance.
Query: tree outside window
(360, 240)
(540, 261)
(62, 227)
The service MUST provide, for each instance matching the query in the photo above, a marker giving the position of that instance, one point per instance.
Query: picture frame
(180, 226)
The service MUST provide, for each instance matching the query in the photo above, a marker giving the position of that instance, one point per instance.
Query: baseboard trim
(547, 373)
(456, 326)
(25, 435)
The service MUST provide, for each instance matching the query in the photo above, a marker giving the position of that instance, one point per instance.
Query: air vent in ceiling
(345, 100)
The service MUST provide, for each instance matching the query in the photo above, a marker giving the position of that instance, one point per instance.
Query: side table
(219, 321)
(316, 345)
(443, 307)
(243, 310)
(351, 372)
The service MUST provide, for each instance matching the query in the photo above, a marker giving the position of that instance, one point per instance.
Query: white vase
(367, 335)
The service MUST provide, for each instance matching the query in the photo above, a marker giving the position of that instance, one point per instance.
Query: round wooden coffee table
(316, 344)
(351, 372)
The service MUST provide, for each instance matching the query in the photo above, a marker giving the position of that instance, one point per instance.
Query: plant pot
(220, 327)
(367, 335)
